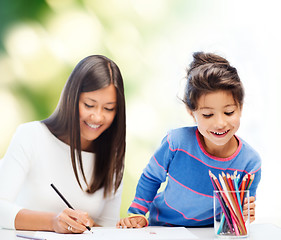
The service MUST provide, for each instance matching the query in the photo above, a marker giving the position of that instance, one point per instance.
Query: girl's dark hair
(93, 73)
(207, 73)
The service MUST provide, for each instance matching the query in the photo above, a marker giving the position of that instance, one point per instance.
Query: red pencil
(242, 187)
(251, 181)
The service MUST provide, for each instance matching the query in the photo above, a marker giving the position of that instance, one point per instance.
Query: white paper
(103, 233)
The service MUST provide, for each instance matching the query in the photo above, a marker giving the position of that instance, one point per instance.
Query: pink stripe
(159, 164)
(140, 207)
(147, 176)
(255, 171)
(182, 150)
(189, 188)
(141, 199)
(216, 158)
(157, 216)
(198, 220)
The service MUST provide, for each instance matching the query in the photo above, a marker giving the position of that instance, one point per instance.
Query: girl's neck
(224, 151)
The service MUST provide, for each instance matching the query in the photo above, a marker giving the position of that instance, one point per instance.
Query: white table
(257, 232)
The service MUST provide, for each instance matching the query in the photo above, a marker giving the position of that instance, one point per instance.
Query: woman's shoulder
(30, 128)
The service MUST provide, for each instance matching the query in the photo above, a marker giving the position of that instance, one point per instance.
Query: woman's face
(97, 110)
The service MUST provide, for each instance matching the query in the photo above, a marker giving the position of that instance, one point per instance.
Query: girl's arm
(134, 221)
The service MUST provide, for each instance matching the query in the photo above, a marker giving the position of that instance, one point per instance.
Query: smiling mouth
(94, 126)
(220, 133)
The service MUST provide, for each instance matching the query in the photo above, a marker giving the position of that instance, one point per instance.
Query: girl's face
(97, 110)
(218, 119)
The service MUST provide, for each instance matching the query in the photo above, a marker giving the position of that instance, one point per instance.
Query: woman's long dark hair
(93, 73)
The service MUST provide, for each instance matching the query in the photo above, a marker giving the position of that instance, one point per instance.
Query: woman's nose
(97, 116)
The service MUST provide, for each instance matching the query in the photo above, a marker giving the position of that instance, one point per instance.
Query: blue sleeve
(256, 181)
(153, 175)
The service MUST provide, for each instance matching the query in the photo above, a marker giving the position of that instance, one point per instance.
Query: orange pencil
(248, 180)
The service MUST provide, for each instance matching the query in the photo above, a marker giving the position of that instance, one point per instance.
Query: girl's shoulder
(247, 148)
(182, 137)
(183, 132)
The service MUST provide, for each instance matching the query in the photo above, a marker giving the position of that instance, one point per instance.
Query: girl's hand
(72, 221)
(132, 222)
(252, 207)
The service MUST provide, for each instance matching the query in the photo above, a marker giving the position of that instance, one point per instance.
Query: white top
(36, 158)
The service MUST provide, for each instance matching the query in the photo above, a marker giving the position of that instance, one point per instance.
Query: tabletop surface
(257, 232)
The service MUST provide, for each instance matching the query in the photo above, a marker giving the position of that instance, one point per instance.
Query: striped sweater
(184, 165)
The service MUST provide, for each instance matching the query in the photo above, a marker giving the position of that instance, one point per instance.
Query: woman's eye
(88, 106)
(207, 115)
(109, 109)
(229, 113)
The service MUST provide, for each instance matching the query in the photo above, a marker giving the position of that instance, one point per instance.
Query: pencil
(236, 210)
(247, 187)
(237, 193)
(66, 202)
(232, 188)
(242, 187)
(248, 180)
(251, 181)
(223, 206)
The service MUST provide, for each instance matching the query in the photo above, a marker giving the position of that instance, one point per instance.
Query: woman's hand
(252, 207)
(72, 221)
(132, 222)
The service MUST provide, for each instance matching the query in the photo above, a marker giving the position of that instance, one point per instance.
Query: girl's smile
(218, 119)
(220, 134)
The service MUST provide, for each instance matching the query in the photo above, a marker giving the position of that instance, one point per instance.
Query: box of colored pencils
(229, 199)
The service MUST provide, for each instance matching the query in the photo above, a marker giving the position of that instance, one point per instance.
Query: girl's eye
(229, 113)
(207, 115)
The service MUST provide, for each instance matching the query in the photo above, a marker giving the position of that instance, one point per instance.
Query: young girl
(80, 149)
(214, 98)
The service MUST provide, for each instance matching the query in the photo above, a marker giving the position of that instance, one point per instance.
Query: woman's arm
(68, 221)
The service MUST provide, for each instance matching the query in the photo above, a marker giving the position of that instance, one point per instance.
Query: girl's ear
(191, 114)
(241, 107)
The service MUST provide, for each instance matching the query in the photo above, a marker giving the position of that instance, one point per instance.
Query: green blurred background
(151, 41)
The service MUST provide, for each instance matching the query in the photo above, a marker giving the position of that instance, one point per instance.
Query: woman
(80, 149)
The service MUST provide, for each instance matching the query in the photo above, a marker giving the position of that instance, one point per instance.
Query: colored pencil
(230, 200)
(223, 206)
(242, 187)
(237, 216)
